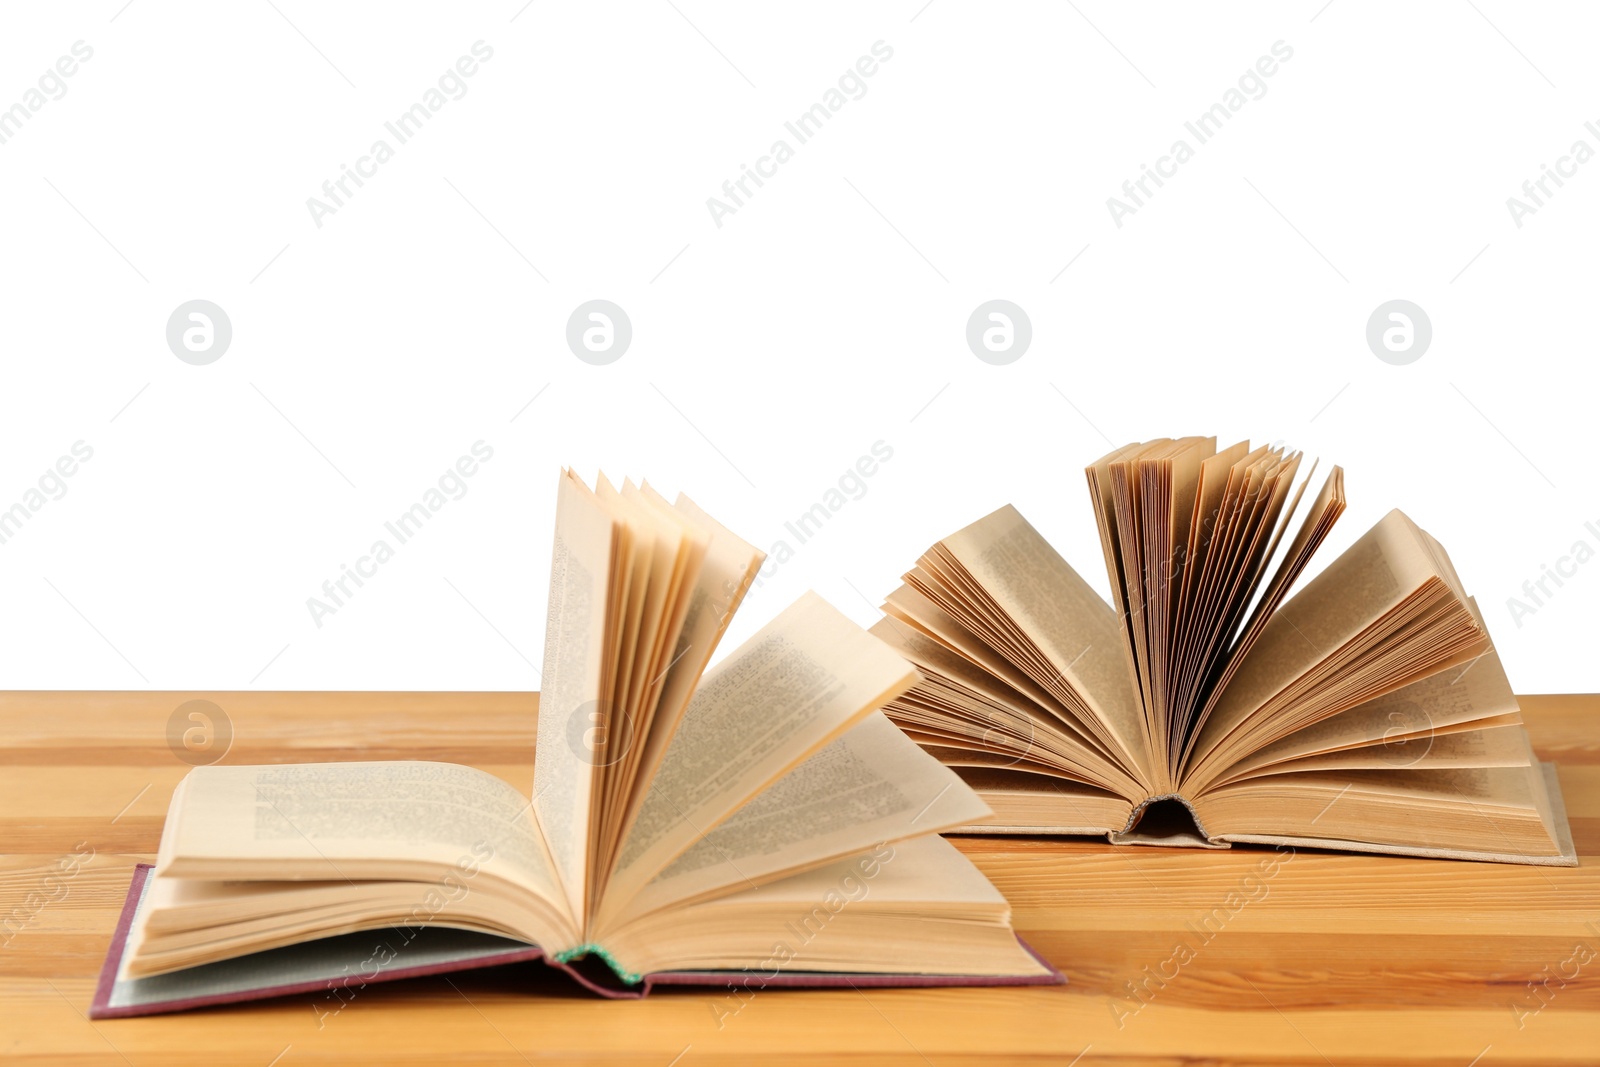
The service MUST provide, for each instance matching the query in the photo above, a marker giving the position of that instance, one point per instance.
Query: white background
(826, 314)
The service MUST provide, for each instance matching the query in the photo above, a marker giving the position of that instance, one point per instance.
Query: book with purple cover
(331, 971)
(761, 822)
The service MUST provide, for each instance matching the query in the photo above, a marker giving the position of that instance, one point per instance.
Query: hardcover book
(1206, 705)
(761, 823)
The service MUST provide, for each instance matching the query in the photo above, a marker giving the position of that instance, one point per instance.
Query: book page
(1402, 724)
(1053, 624)
(1377, 618)
(1101, 493)
(797, 684)
(1325, 511)
(1205, 528)
(1501, 810)
(870, 786)
(1042, 804)
(1495, 746)
(912, 907)
(1252, 502)
(325, 820)
(658, 559)
(727, 565)
(967, 706)
(349, 822)
(1169, 485)
(572, 717)
(909, 611)
(1127, 519)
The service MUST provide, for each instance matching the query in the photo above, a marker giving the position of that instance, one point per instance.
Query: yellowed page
(871, 785)
(1378, 617)
(350, 820)
(1502, 810)
(1127, 521)
(1169, 482)
(727, 566)
(168, 936)
(797, 684)
(573, 717)
(1325, 511)
(972, 708)
(909, 610)
(667, 560)
(633, 573)
(255, 857)
(1496, 746)
(1103, 496)
(1043, 804)
(1402, 723)
(916, 906)
(673, 574)
(1204, 527)
(1066, 637)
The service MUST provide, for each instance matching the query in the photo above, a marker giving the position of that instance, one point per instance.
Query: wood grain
(1330, 959)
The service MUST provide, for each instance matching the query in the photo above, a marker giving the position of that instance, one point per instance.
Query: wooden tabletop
(1333, 959)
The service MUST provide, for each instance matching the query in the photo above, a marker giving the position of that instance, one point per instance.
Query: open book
(764, 824)
(1367, 712)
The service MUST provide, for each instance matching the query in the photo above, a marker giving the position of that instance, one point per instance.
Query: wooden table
(1345, 959)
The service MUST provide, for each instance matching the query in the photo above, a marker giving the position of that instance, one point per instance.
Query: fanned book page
(1206, 705)
(755, 823)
